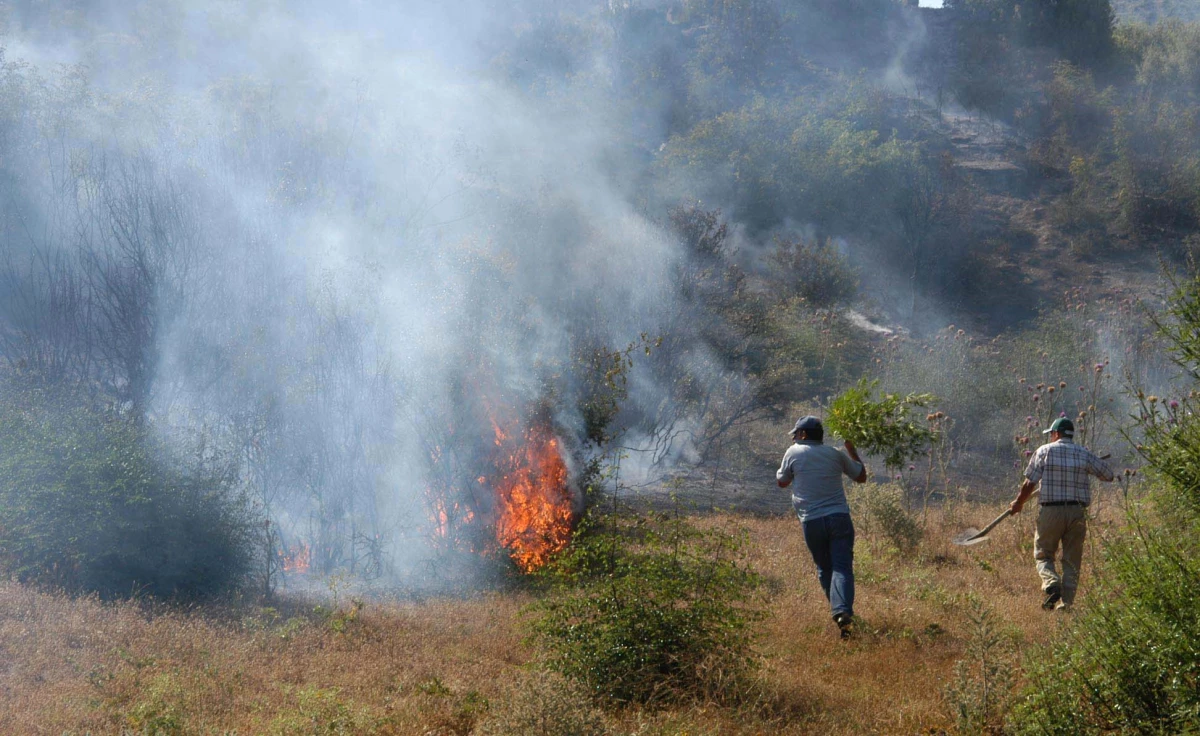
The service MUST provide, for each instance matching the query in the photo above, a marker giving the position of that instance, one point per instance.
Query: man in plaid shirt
(1062, 467)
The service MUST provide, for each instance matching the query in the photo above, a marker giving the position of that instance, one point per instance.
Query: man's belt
(1065, 503)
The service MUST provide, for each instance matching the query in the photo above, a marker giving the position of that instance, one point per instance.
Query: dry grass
(79, 666)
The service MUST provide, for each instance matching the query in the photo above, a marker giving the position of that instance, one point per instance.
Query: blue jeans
(830, 539)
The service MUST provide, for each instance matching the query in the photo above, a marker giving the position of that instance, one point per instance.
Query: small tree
(983, 678)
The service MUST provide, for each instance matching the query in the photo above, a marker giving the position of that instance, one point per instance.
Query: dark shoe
(1053, 593)
(844, 623)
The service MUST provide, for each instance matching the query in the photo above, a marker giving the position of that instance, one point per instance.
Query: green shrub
(815, 270)
(882, 507)
(90, 502)
(1131, 664)
(651, 609)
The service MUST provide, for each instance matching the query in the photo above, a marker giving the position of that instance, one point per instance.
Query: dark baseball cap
(808, 424)
(1063, 426)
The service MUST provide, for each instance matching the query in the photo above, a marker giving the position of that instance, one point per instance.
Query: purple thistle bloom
(1028, 453)
(1062, 413)
(1174, 404)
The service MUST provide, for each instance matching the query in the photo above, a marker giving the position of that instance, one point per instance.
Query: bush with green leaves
(650, 609)
(1169, 425)
(885, 426)
(815, 270)
(1131, 661)
(881, 507)
(91, 502)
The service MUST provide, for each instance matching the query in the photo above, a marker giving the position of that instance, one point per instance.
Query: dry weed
(457, 666)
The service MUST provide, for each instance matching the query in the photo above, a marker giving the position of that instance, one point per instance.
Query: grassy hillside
(455, 665)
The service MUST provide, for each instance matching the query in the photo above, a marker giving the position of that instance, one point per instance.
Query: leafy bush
(1132, 662)
(882, 427)
(90, 502)
(650, 609)
(882, 506)
(816, 271)
(1169, 425)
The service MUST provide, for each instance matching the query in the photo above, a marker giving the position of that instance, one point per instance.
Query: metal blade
(969, 537)
(975, 536)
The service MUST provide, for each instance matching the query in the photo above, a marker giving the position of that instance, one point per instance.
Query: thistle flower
(1063, 414)
(1062, 384)
(1050, 390)
(912, 467)
(1028, 453)
(1152, 399)
(1099, 367)
(1036, 397)
(1174, 404)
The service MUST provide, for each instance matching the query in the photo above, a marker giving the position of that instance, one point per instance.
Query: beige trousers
(1066, 525)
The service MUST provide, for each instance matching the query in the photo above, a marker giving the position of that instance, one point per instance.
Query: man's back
(1063, 468)
(817, 470)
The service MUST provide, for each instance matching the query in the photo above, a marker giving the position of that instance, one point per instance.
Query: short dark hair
(816, 434)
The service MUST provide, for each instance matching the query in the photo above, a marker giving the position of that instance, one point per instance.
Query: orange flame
(298, 559)
(522, 495)
(534, 510)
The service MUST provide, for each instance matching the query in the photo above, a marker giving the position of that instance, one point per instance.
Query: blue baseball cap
(808, 424)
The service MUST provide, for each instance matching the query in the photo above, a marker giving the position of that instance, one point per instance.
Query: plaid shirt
(1063, 468)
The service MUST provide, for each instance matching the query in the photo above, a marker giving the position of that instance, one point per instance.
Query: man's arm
(1026, 491)
(853, 453)
(1099, 468)
(783, 476)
